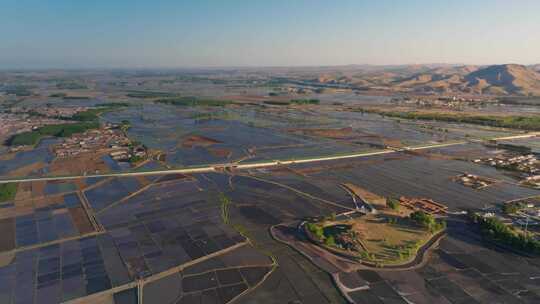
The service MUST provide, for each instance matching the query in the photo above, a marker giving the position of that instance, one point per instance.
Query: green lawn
(86, 120)
(61, 130)
(7, 192)
(194, 101)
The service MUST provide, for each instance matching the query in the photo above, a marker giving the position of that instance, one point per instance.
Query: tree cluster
(427, 221)
(496, 230)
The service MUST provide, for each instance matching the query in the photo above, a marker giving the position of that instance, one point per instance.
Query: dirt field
(198, 141)
(372, 198)
(328, 133)
(385, 240)
(26, 170)
(220, 152)
(7, 156)
(89, 163)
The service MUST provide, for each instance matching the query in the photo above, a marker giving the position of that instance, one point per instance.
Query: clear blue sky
(181, 33)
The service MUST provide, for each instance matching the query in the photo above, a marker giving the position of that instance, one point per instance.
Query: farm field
(230, 168)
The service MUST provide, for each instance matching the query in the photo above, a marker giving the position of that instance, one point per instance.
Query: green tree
(510, 208)
(330, 241)
(316, 229)
(392, 203)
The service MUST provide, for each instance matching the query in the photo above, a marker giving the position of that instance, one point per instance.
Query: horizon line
(216, 67)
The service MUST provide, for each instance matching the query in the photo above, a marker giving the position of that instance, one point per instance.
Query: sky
(232, 33)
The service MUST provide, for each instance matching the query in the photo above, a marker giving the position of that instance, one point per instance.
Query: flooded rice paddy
(148, 226)
(204, 238)
(193, 136)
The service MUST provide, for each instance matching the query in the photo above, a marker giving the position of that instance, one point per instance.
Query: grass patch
(86, 120)
(61, 130)
(75, 97)
(150, 94)
(58, 95)
(194, 102)
(113, 104)
(71, 86)
(88, 115)
(382, 239)
(392, 203)
(305, 101)
(7, 192)
(277, 102)
(93, 114)
(225, 202)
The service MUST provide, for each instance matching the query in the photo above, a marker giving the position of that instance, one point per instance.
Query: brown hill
(439, 79)
(507, 79)
(504, 79)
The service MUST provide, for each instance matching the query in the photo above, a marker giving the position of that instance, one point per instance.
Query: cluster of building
(299, 90)
(368, 202)
(49, 111)
(452, 102)
(530, 208)
(528, 165)
(526, 214)
(423, 204)
(109, 139)
(293, 90)
(127, 153)
(473, 181)
(532, 181)
(11, 123)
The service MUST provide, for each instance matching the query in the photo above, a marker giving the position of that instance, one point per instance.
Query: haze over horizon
(133, 34)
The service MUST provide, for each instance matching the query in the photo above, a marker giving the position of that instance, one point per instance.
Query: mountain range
(505, 79)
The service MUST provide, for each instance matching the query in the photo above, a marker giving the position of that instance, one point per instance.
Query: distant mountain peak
(509, 78)
(500, 79)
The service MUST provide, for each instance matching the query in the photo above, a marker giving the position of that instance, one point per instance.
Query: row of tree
(515, 121)
(497, 231)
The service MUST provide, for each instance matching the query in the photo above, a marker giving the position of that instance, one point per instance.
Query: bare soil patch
(328, 133)
(198, 141)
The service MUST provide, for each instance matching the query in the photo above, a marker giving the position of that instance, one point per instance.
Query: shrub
(330, 241)
(317, 230)
(392, 203)
(427, 221)
(511, 208)
(305, 101)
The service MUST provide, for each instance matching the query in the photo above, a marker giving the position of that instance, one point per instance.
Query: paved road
(238, 166)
